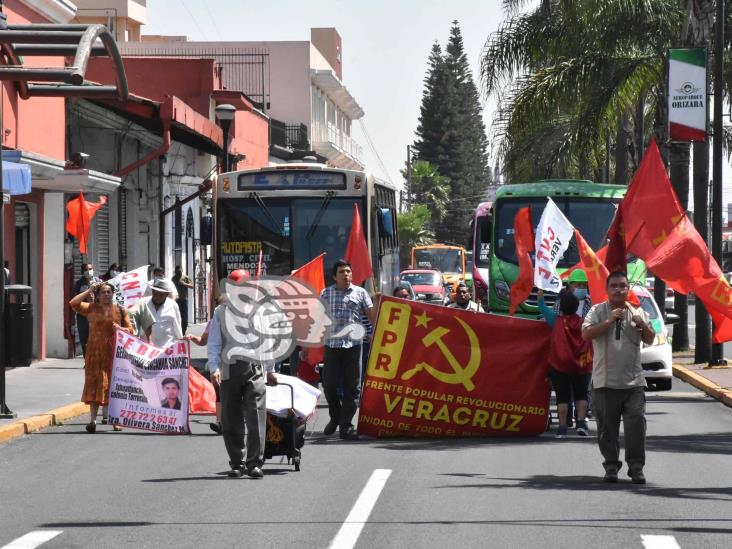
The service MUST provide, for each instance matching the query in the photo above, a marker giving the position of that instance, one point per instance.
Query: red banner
(443, 372)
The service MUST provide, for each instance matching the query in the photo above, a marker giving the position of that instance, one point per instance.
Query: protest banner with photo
(130, 286)
(149, 386)
(552, 239)
(441, 372)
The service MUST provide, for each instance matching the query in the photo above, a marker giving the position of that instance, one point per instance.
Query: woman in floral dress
(104, 317)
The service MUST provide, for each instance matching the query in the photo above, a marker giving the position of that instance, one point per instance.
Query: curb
(31, 424)
(700, 382)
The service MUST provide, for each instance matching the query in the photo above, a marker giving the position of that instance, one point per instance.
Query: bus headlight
(502, 289)
(660, 339)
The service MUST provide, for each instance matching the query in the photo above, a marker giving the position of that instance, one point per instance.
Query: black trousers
(82, 325)
(342, 369)
(183, 308)
(243, 400)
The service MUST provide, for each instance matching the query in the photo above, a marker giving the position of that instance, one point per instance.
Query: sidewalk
(716, 382)
(47, 392)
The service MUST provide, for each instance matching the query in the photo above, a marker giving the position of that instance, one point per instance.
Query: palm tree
(430, 188)
(566, 75)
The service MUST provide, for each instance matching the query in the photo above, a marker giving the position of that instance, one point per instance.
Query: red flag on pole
(594, 269)
(616, 254)
(312, 274)
(357, 250)
(81, 213)
(524, 238)
(658, 231)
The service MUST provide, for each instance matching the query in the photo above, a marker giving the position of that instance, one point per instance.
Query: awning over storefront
(16, 178)
(49, 174)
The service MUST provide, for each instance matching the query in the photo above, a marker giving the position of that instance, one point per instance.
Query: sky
(385, 49)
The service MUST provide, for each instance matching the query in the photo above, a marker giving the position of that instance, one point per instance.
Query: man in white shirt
(167, 326)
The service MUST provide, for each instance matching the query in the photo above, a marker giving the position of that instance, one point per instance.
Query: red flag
(616, 254)
(658, 231)
(524, 238)
(312, 274)
(601, 254)
(201, 394)
(594, 269)
(81, 213)
(357, 251)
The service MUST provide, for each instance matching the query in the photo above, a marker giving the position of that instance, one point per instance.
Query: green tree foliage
(414, 230)
(430, 188)
(451, 136)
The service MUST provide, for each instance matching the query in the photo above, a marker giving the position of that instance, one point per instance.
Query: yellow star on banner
(660, 238)
(422, 320)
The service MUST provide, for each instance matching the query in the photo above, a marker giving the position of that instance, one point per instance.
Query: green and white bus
(589, 206)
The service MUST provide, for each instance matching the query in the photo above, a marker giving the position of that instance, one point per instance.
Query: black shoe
(610, 476)
(104, 421)
(330, 428)
(637, 477)
(255, 472)
(236, 472)
(215, 427)
(349, 434)
(91, 427)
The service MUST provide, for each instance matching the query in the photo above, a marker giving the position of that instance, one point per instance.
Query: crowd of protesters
(594, 351)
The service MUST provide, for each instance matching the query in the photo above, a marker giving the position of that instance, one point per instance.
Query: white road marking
(660, 542)
(350, 530)
(32, 539)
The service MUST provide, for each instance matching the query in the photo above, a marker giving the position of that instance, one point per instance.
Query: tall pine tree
(451, 135)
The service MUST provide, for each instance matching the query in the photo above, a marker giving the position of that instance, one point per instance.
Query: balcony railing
(343, 141)
(288, 136)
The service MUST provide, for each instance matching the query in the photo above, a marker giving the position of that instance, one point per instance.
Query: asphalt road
(144, 490)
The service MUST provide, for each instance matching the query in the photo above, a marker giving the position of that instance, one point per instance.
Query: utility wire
(194, 19)
(216, 27)
(373, 150)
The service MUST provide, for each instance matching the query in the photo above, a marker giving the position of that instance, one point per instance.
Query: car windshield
(422, 279)
(592, 217)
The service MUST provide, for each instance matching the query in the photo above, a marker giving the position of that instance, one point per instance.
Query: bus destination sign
(291, 180)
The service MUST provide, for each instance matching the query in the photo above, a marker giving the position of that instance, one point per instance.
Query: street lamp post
(717, 357)
(225, 114)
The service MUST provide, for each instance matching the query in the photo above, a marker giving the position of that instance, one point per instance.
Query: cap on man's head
(238, 275)
(160, 285)
(578, 275)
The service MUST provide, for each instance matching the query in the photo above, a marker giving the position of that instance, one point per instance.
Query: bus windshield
(590, 216)
(446, 260)
(280, 226)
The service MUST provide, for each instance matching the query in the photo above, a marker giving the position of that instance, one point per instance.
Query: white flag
(130, 286)
(552, 238)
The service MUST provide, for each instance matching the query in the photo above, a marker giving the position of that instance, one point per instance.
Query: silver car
(656, 357)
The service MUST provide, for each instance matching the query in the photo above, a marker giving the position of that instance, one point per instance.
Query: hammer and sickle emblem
(460, 374)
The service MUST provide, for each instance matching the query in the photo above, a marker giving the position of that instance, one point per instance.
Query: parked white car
(656, 357)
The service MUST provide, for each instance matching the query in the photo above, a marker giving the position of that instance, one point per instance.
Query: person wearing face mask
(112, 272)
(82, 285)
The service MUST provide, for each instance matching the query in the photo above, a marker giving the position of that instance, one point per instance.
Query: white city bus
(295, 212)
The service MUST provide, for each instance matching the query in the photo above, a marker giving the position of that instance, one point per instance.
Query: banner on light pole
(687, 94)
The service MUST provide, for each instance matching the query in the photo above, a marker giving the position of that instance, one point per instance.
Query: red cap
(239, 275)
